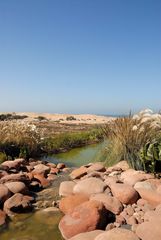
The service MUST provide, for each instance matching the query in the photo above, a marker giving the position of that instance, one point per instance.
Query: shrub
(127, 135)
(70, 118)
(41, 118)
(3, 157)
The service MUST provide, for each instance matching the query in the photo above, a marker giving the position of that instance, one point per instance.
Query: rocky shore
(98, 203)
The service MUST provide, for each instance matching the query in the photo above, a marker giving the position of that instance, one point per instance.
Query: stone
(14, 178)
(13, 163)
(54, 171)
(2, 218)
(124, 193)
(117, 234)
(151, 196)
(86, 217)
(149, 230)
(132, 220)
(18, 203)
(130, 210)
(99, 167)
(41, 169)
(89, 186)
(120, 219)
(87, 235)
(111, 203)
(67, 204)
(17, 187)
(66, 188)
(78, 173)
(60, 165)
(110, 180)
(40, 177)
(4, 193)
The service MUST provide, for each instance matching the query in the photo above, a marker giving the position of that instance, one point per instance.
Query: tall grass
(127, 135)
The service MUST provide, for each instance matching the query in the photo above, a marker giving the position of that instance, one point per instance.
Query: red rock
(86, 217)
(14, 178)
(41, 169)
(54, 171)
(4, 193)
(66, 188)
(44, 182)
(16, 187)
(13, 164)
(124, 192)
(89, 186)
(78, 173)
(2, 218)
(17, 203)
(131, 176)
(99, 167)
(60, 165)
(117, 234)
(87, 235)
(68, 203)
(111, 203)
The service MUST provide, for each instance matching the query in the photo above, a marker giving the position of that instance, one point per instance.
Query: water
(37, 226)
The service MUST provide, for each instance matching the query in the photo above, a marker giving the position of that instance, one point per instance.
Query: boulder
(87, 235)
(54, 171)
(2, 218)
(60, 165)
(41, 169)
(4, 193)
(117, 234)
(68, 203)
(16, 187)
(18, 203)
(111, 203)
(86, 217)
(125, 193)
(99, 167)
(15, 177)
(66, 188)
(40, 177)
(13, 163)
(89, 186)
(151, 196)
(78, 173)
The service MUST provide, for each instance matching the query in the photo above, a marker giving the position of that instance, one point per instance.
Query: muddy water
(37, 226)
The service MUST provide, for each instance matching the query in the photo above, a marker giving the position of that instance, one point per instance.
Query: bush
(3, 157)
(70, 118)
(127, 136)
(9, 116)
(41, 118)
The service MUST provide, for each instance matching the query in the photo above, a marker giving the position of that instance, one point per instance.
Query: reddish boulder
(99, 167)
(124, 192)
(4, 193)
(40, 177)
(111, 203)
(60, 165)
(87, 235)
(13, 164)
(2, 218)
(41, 169)
(17, 187)
(14, 178)
(117, 234)
(86, 217)
(68, 203)
(17, 203)
(66, 188)
(78, 173)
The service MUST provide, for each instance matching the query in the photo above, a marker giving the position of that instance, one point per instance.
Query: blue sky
(80, 56)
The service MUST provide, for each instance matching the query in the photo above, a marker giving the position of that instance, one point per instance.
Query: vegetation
(3, 157)
(41, 118)
(70, 118)
(66, 141)
(129, 137)
(9, 116)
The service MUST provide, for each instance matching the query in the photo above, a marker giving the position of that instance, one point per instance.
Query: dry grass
(126, 137)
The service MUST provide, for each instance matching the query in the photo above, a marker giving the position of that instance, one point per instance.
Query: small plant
(41, 118)
(3, 157)
(71, 118)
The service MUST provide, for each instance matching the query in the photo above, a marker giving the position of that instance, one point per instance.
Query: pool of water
(35, 226)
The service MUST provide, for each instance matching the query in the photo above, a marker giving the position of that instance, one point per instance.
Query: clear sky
(80, 56)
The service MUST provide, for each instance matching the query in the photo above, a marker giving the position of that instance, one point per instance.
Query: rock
(149, 230)
(144, 185)
(54, 171)
(130, 210)
(120, 219)
(13, 164)
(44, 182)
(86, 217)
(96, 167)
(2, 218)
(16, 187)
(132, 220)
(87, 235)
(14, 178)
(89, 186)
(41, 169)
(51, 177)
(66, 188)
(35, 186)
(60, 165)
(125, 193)
(111, 203)
(78, 173)
(110, 180)
(4, 193)
(68, 203)
(110, 226)
(50, 210)
(117, 234)
(18, 203)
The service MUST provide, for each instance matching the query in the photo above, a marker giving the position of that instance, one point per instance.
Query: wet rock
(87, 235)
(117, 234)
(86, 217)
(66, 188)
(17, 187)
(68, 203)
(89, 186)
(78, 173)
(18, 203)
(125, 193)
(111, 203)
